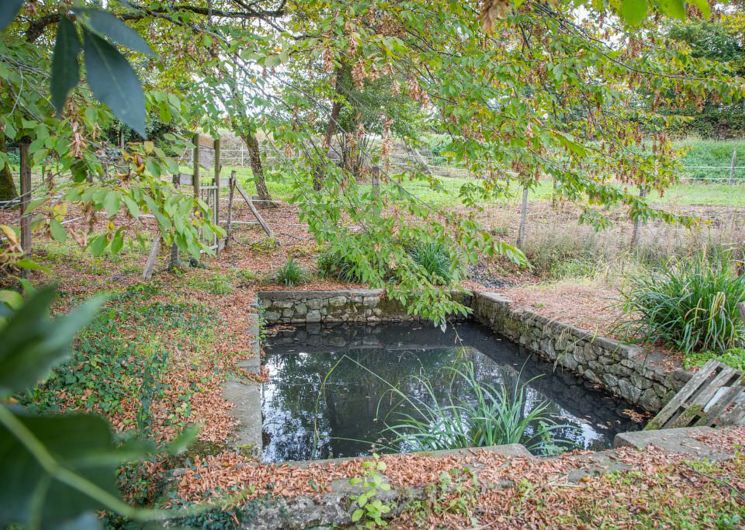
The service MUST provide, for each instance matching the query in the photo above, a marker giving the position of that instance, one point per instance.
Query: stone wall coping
(300, 295)
(514, 450)
(629, 350)
(245, 395)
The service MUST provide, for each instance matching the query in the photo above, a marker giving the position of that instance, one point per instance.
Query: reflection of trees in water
(297, 403)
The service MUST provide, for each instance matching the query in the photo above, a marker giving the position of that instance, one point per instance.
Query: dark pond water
(320, 404)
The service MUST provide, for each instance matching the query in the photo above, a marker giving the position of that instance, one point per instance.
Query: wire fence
(437, 165)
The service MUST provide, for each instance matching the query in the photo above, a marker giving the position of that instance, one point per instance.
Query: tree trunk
(254, 158)
(523, 219)
(332, 124)
(636, 234)
(8, 189)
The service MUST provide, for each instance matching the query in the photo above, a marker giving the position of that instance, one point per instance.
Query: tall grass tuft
(440, 262)
(495, 415)
(334, 264)
(690, 306)
(291, 273)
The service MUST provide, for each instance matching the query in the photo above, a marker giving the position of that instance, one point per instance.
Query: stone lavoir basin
(329, 392)
(333, 357)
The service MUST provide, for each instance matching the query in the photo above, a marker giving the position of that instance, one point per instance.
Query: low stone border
(623, 369)
(334, 509)
(349, 305)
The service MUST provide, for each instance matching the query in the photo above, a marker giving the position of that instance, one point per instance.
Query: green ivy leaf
(28, 351)
(104, 23)
(8, 11)
(12, 299)
(114, 82)
(132, 207)
(31, 265)
(65, 63)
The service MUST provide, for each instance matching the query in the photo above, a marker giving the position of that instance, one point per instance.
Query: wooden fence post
(732, 167)
(231, 194)
(638, 222)
(152, 258)
(375, 181)
(195, 163)
(523, 218)
(175, 261)
(25, 197)
(217, 189)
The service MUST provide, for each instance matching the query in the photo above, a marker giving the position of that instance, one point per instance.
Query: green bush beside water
(690, 306)
(440, 262)
(291, 273)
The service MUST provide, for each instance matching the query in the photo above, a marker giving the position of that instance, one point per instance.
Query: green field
(698, 153)
(688, 194)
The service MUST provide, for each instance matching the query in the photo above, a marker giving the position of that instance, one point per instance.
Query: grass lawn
(688, 194)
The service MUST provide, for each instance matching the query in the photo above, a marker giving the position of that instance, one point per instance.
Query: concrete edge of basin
(245, 396)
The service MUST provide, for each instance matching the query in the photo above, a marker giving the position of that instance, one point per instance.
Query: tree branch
(246, 11)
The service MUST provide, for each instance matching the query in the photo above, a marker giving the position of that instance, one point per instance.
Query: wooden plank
(152, 258)
(254, 211)
(735, 413)
(673, 407)
(726, 397)
(184, 179)
(724, 378)
(25, 197)
(715, 389)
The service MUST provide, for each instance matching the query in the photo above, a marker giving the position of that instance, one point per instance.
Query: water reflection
(317, 404)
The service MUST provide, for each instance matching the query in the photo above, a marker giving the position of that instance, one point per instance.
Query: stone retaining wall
(622, 369)
(351, 305)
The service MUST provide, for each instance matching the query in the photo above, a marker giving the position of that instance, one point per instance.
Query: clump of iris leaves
(487, 414)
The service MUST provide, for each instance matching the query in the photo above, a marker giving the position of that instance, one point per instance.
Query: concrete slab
(507, 450)
(246, 398)
(679, 441)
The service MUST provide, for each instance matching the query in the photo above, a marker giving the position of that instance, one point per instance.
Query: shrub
(691, 306)
(336, 265)
(290, 273)
(440, 262)
(246, 276)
